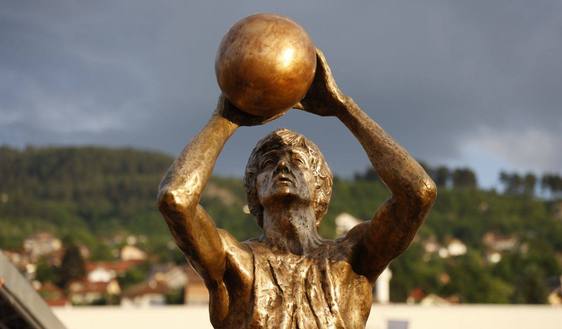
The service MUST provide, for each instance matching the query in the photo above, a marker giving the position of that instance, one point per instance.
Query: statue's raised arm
(180, 190)
(395, 223)
(210, 250)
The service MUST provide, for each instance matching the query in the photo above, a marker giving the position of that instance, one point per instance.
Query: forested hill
(95, 194)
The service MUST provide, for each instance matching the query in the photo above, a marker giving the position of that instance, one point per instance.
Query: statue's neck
(291, 229)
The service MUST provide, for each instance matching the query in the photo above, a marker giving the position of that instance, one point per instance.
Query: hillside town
(134, 279)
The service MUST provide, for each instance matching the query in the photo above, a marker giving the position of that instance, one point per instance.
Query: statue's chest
(292, 291)
(287, 273)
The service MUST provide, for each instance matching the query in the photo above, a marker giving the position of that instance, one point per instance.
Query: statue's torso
(317, 290)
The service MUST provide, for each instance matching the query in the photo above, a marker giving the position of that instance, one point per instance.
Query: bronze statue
(265, 64)
(290, 277)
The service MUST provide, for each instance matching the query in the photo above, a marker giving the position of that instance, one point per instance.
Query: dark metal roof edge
(26, 300)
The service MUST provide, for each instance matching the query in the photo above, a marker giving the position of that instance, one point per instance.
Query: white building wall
(382, 286)
(418, 317)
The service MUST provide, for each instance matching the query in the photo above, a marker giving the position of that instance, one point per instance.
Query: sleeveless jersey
(319, 290)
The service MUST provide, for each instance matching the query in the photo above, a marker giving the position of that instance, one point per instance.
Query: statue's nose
(282, 166)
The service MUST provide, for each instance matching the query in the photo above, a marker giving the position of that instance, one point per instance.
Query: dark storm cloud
(474, 82)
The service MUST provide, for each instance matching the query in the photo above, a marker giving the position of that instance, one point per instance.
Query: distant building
(418, 296)
(382, 287)
(150, 293)
(415, 296)
(53, 295)
(499, 243)
(433, 299)
(172, 275)
(493, 257)
(128, 253)
(86, 293)
(345, 222)
(101, 274)
(41, 244)
(456, 247)
(107, 271)
(431, 246)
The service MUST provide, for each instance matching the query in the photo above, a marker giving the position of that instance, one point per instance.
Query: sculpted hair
(286, 138)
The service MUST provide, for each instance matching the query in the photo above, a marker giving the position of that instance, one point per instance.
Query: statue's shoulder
(256, 245)
(233, 247)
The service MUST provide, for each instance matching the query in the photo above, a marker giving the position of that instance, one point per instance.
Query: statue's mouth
(284, 179)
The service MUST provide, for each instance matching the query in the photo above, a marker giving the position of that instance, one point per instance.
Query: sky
(461, 83)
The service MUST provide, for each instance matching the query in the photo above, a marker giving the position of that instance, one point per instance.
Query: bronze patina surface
(290, 277)
(265, 64)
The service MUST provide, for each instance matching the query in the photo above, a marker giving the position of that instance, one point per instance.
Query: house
(107, 271)
(415, 296)
(431, 246)
(456, 247)
(172, 275)
(132, 253)
(499, 243)
(53, 295)
(85, 292)
(41, 244)
(345, 222)
(149, 293)
(433, 299)
(493, 257)
(100, 274)
(418, 296)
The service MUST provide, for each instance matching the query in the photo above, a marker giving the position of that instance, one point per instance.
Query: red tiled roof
(417, 294)
(153, 287)
(87, 286)
(50, 287)
(118, 267)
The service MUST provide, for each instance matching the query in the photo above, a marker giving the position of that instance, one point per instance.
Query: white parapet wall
(382, 317)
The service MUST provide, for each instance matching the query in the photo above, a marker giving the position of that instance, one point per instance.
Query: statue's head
(287, 165)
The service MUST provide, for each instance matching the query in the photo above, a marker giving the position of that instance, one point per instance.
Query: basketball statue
(289, 277)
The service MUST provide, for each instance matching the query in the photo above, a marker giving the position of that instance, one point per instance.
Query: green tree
(441, 176)
(72, 266)
(529, 184)
(45, 272)
(464, 178)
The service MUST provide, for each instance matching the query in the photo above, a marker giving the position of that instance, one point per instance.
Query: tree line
(512, 183)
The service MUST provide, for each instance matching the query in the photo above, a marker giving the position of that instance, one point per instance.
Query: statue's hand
(323, 97)
(227, 110)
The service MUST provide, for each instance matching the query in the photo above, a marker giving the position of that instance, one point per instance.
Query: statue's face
(285, 174)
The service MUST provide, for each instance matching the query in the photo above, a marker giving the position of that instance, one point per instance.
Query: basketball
(265, 64)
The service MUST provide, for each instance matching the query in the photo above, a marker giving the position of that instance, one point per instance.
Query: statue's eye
(266, 163)
(299, 161)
